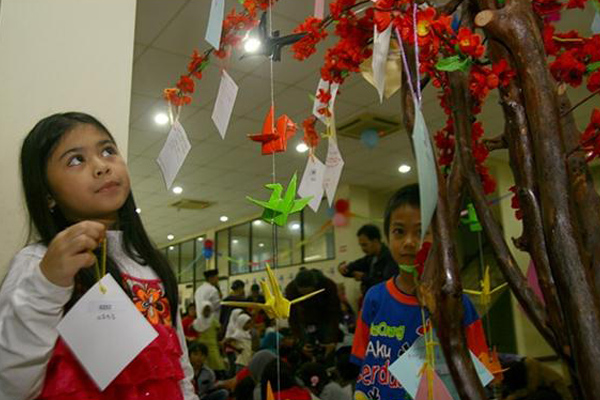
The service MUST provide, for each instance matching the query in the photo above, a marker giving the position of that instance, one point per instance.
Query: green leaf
(241, 2)
(312, 97)
(453, 63)
(593, 66)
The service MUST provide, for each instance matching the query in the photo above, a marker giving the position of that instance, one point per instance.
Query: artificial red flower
(591, 49)
(593, 83)
(576, 4)
(568, 68)
(311, 137)
(469, 43)
(174, 97)
(186, 84)
(504, 73)
(590, 139)
(514, 203)
(549, 44)
(445, 143)
(306, 46)
(195, 65)
(548, 9)
(324, 96)
(421, 257)
(339, 6)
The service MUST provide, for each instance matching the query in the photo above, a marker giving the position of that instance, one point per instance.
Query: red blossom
(186, 84)
(548, 9)
(421, 257)
(324, 96)
(568, 68)
(502, 70)
(593, 83)
(306, 46)
(311, 137)
(591, 48)
(195, 65)
(514, 203)
(590, 139)
(174, 96)
(469, 43)
(337, 7)
(576, 4)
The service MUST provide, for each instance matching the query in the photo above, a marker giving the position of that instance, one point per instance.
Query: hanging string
(405, 64)
(100, 272)
(417, 72)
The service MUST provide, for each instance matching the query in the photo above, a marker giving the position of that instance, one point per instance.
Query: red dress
(153, 375)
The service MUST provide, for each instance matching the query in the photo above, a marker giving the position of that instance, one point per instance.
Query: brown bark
(515, 26)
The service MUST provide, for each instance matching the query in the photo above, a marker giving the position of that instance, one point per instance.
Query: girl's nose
(101, 168)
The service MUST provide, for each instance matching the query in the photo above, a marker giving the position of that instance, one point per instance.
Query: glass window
(173, 257)
(240, 249)
(288, 241)
(222, 251)
(262, 244)
(320, 241)
(200, 264)
(188, 254)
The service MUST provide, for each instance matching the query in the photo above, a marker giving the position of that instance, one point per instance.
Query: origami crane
(490, 360)
(486, 291)
(270, 45)
(274, 137)
(278, 208)
(275, 305)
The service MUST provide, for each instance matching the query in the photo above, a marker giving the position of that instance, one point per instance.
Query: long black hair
(37, 148)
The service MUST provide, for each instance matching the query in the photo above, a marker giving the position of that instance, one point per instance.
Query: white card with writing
(105, 331)
(333, 170)
(173, 154)
(224, 103)
(333, 89)
(215, 23)
(381, 46)
(312, 182)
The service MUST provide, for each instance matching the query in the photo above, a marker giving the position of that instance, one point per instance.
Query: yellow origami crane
(275, 305)
(486, 291)
(270, 395)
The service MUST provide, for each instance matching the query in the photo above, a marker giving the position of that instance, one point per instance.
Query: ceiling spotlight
(177, 190)
(224, 218)
(258, 222)
(138, 210)
(200, 239)
(171, 247)
(251, 45)
(261, 245)
(170, 237)
(295, 226)
(235, 241)
(403, 169)
(161, 118)
(302, 148)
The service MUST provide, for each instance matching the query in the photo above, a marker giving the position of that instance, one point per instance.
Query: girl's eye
(75, 161)
(398, 231)
(109, 151)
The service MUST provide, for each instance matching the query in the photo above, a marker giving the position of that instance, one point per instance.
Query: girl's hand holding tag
(70, 250)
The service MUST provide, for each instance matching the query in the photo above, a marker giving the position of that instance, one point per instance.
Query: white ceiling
(225, 171)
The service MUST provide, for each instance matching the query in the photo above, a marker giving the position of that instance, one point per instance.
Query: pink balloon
(339, 220)
(532, 280)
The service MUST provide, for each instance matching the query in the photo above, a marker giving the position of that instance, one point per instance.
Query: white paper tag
(224, 103)
(215, 23)
(173, 154)
(333, 89)
(319, 9)
(333, 171)
(105, 331)
(312, 182)
(381, 46)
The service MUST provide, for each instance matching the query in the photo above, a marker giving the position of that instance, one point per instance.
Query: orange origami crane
(274, 137)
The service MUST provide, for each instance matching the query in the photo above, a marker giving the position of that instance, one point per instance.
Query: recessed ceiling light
(224, 218)
(200, 239)
(138, 210)
(170, 237)
(177, 190)
(403, 169)
(302, 148)
(261, 245)
(235, 241)
(161, 118)
(258, 222)
(295, 226)
(251, 45)
(171, 247)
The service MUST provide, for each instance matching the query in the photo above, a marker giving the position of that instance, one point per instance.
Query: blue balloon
(330, 212)
(370, 138)
(208, 253)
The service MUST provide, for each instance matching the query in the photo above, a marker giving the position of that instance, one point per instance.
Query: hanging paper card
(319, 9)
(428, 185)
(312, 182)
(596, 23)
(173, 154)
(215, 23)
(407, 368)
(318, 104)
(438, 392)
(224, 103)
(381, 46)
(105, 331)
(333, 171)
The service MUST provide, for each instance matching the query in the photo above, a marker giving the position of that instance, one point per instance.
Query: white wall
(59, 55)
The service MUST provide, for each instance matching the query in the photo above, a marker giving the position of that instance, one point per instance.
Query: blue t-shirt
(389, 323)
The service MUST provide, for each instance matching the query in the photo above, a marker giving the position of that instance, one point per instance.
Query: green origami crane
(471, 220)
(278, 208)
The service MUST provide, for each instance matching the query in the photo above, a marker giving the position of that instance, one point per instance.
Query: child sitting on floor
(204, 377)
